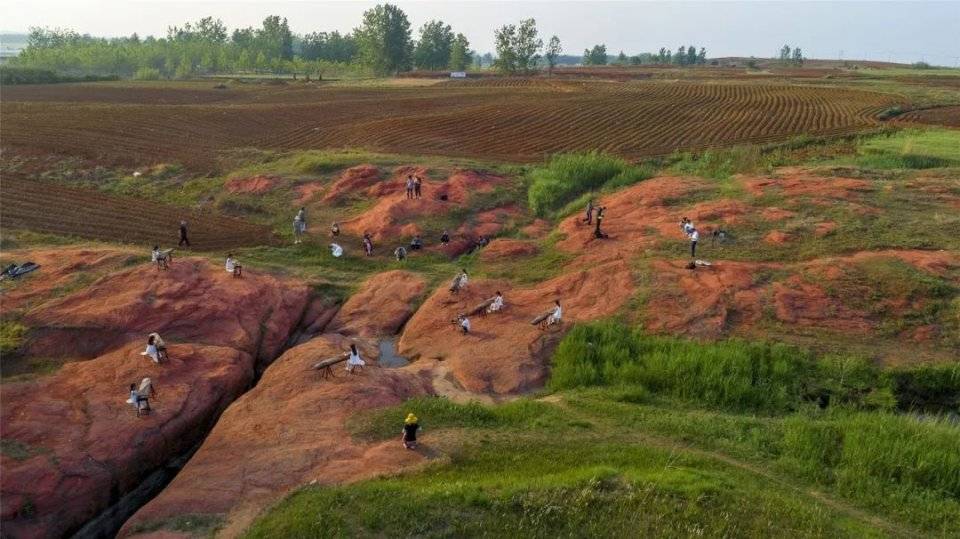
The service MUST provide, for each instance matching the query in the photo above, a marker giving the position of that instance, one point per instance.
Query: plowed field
(44, 207)
(946, 116)
(509, 119)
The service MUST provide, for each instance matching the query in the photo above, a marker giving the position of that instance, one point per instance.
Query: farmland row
(513, 119)
(56, 209)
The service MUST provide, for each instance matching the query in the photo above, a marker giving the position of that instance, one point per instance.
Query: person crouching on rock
(161, 346)
(416, 243)
(400, 253)
(335, 229)
(497, 304)
(556, 315)
(410, 428)
(232, 267)
(353, 360)
(152, 350)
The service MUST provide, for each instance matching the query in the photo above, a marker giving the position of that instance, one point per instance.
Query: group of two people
(594, 214)
(414, 185)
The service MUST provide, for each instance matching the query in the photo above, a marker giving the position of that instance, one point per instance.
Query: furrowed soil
(503, 119)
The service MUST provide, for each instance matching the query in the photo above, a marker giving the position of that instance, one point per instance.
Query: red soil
(798, 182)
(504, 353)
(193, 301)
(777, 214)
(777, 237)
(306, 192)
(822, 229)
(381, 306)
(394, 214)
(352, 181)
(256, 185)
(500, 249)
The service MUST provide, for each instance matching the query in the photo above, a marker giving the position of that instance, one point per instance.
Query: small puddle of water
(388, 355)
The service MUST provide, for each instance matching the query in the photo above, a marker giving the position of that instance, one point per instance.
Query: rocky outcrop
(194, 301)
(75, 446)
(78, 445)
(381, 306)
(287, 431)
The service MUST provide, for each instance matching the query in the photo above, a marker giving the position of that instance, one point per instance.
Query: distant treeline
(383, 44)
(30, 75)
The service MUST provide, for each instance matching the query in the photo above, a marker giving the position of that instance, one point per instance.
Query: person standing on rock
(589, 216)
(183, 234)
(416, 243)
(464, 323)
(367, 244)
(410, 428)
(400, 253)
(444, 238)
(410, 186)
(417, 184)
(694, 238)
(459, 282)
(597, 233)
(335, 229)
(299, 226)
(353, 360)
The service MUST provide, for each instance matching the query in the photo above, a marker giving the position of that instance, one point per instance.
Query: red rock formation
(381, 306)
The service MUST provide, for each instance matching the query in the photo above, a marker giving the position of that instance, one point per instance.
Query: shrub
(568, 176)
(147, 73)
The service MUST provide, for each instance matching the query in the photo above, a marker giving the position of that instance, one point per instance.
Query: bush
(147, 73)
(12, 74)
(568, 176)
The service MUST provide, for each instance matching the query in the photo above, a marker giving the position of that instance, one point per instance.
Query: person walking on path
(410, 427)
(183, 235)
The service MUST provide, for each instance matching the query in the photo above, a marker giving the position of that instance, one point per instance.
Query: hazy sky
(899, 31)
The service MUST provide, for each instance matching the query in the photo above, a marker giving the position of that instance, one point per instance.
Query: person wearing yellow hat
(410, 428)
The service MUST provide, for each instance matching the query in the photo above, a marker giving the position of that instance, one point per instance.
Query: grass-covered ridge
(620, 449)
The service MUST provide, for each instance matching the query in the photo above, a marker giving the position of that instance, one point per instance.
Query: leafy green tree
(554, 49)
(383, 39)
(331, 47)
(785, 53)
(597, 56)
(274, 39)
(680, 58)
(702, 56)
(243, 62)
(797, 58)
(518, 47)
(622, 59)
(433, 49)
(691, 55)
(261, 63)
(460, 54)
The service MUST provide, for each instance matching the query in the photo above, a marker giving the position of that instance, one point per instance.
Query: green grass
(568, 176)
(912, 149)
(11, 336)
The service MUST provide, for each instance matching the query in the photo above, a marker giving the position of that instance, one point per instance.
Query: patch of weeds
(19, 451)
(194, 524)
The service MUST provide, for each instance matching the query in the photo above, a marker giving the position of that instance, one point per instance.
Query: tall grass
(912, 149)
(740, 375)
(734, 374)
(567, 176)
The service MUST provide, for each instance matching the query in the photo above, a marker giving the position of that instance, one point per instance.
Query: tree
(554, 49)
(433, 49)
(460, 55)
(244, 62)
(275, 38)
(261, 63)
(383, 39)
(597, 56)
(691, 55)
(681, 57)
(331, 47)
(663, 57)
(518, 46)
(785, 53)
(797, 56)
(622, 59)
(702, 56)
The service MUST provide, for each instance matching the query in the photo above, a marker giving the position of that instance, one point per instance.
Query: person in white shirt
(336, 250)
(353, 360)
(556, 315)
(686, 225)
(497, 304)
(232, 267)
(464, 324)
(410, 186)
(694, 238)
(299, 225)
(152, 352)
(161, 346)
(400, 253)
(159, 257)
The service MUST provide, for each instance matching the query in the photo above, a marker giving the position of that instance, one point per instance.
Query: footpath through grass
(646, 436)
